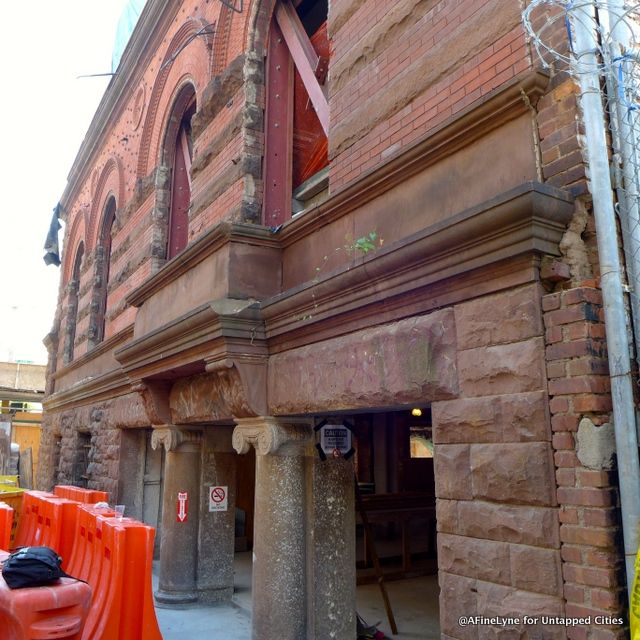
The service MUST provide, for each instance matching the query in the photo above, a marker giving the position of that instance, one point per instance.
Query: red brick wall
(590, 533)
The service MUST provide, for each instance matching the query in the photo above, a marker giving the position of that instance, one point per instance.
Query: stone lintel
(173, 439)
(269, 435)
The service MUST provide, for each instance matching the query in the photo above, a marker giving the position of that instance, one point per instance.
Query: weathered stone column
(217, 528)
(332, 579)
(279, 564)
(179, 547)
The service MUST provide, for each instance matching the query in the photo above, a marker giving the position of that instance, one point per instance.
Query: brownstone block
(447, 515)
(515, 473)
(536, 526)
(457, 598)
(509, 316)
(484, 559)
(452, 472)
(537, 570)
(508, 368)
(497, 600)
(517, 417)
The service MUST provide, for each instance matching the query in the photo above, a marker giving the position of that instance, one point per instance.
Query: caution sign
(335, 440)
(218, 498)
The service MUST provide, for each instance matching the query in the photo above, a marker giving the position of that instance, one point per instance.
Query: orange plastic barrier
(88, 496)
(29, 516)
(6, 523)
(43, 613)
(49, 521)
(115, 557)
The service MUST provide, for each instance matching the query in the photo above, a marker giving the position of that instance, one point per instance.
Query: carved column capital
(172, 438)
(269, 435)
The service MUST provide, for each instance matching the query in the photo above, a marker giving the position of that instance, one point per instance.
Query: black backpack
(32, 567)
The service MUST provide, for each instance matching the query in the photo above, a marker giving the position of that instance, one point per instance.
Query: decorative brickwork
(580, 403)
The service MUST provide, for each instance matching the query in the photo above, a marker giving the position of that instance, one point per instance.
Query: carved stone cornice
(269, 435)
(172, 438)
(524, 222)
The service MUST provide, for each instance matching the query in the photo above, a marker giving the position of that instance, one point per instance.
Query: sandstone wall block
(508, 368)
(517, 417)
(484, 559)
(509, 316)
(453, 472)
(522, 524)
(514, 473)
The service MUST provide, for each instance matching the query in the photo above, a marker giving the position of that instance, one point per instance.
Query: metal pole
(617, 35)
(585, 46)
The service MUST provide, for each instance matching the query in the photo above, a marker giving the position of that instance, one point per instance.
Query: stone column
(217, 528)
(332, 579)
(179, 546)
(279, 550)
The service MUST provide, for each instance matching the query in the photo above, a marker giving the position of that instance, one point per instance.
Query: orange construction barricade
(44, 613)
(89, 496)
(115, 557)
(6, 523)
(30, 518)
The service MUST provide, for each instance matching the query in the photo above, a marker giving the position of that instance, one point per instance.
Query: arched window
(178, 152)
(297, 111)
(73, 303)
(103, 268)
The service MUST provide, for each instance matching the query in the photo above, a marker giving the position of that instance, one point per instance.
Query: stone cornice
(91, 389)
(526, 221)
(105, 346)
(212, 332)
(500, 106)
(151, 27)
(212, 241)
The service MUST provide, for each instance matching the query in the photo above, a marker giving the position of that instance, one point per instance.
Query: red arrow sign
(182, 506)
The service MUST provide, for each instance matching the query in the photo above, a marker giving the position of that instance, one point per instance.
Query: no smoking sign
(218, 498)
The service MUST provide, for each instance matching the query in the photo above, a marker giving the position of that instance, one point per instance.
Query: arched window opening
(73, 304)
(178, 231)
(297, 112)
(103, 269)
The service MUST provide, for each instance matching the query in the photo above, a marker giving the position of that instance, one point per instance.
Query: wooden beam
(305, 59)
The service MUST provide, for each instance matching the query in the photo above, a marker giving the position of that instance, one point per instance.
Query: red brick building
(295, 213)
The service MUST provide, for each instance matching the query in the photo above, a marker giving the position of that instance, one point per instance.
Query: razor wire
(551, 25)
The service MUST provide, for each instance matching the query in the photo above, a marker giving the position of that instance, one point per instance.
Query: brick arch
(179, 40)
(184, 93)
(221, 41)
(110, 182)
(75, 237)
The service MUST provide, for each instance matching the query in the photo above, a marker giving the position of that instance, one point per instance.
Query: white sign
(218, 498)
(335, 438)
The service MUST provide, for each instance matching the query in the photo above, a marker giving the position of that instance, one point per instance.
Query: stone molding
(212, 241)
(527, 220)
(269, 435)
(173, 439)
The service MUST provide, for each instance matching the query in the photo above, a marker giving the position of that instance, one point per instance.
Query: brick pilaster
(579, 390)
